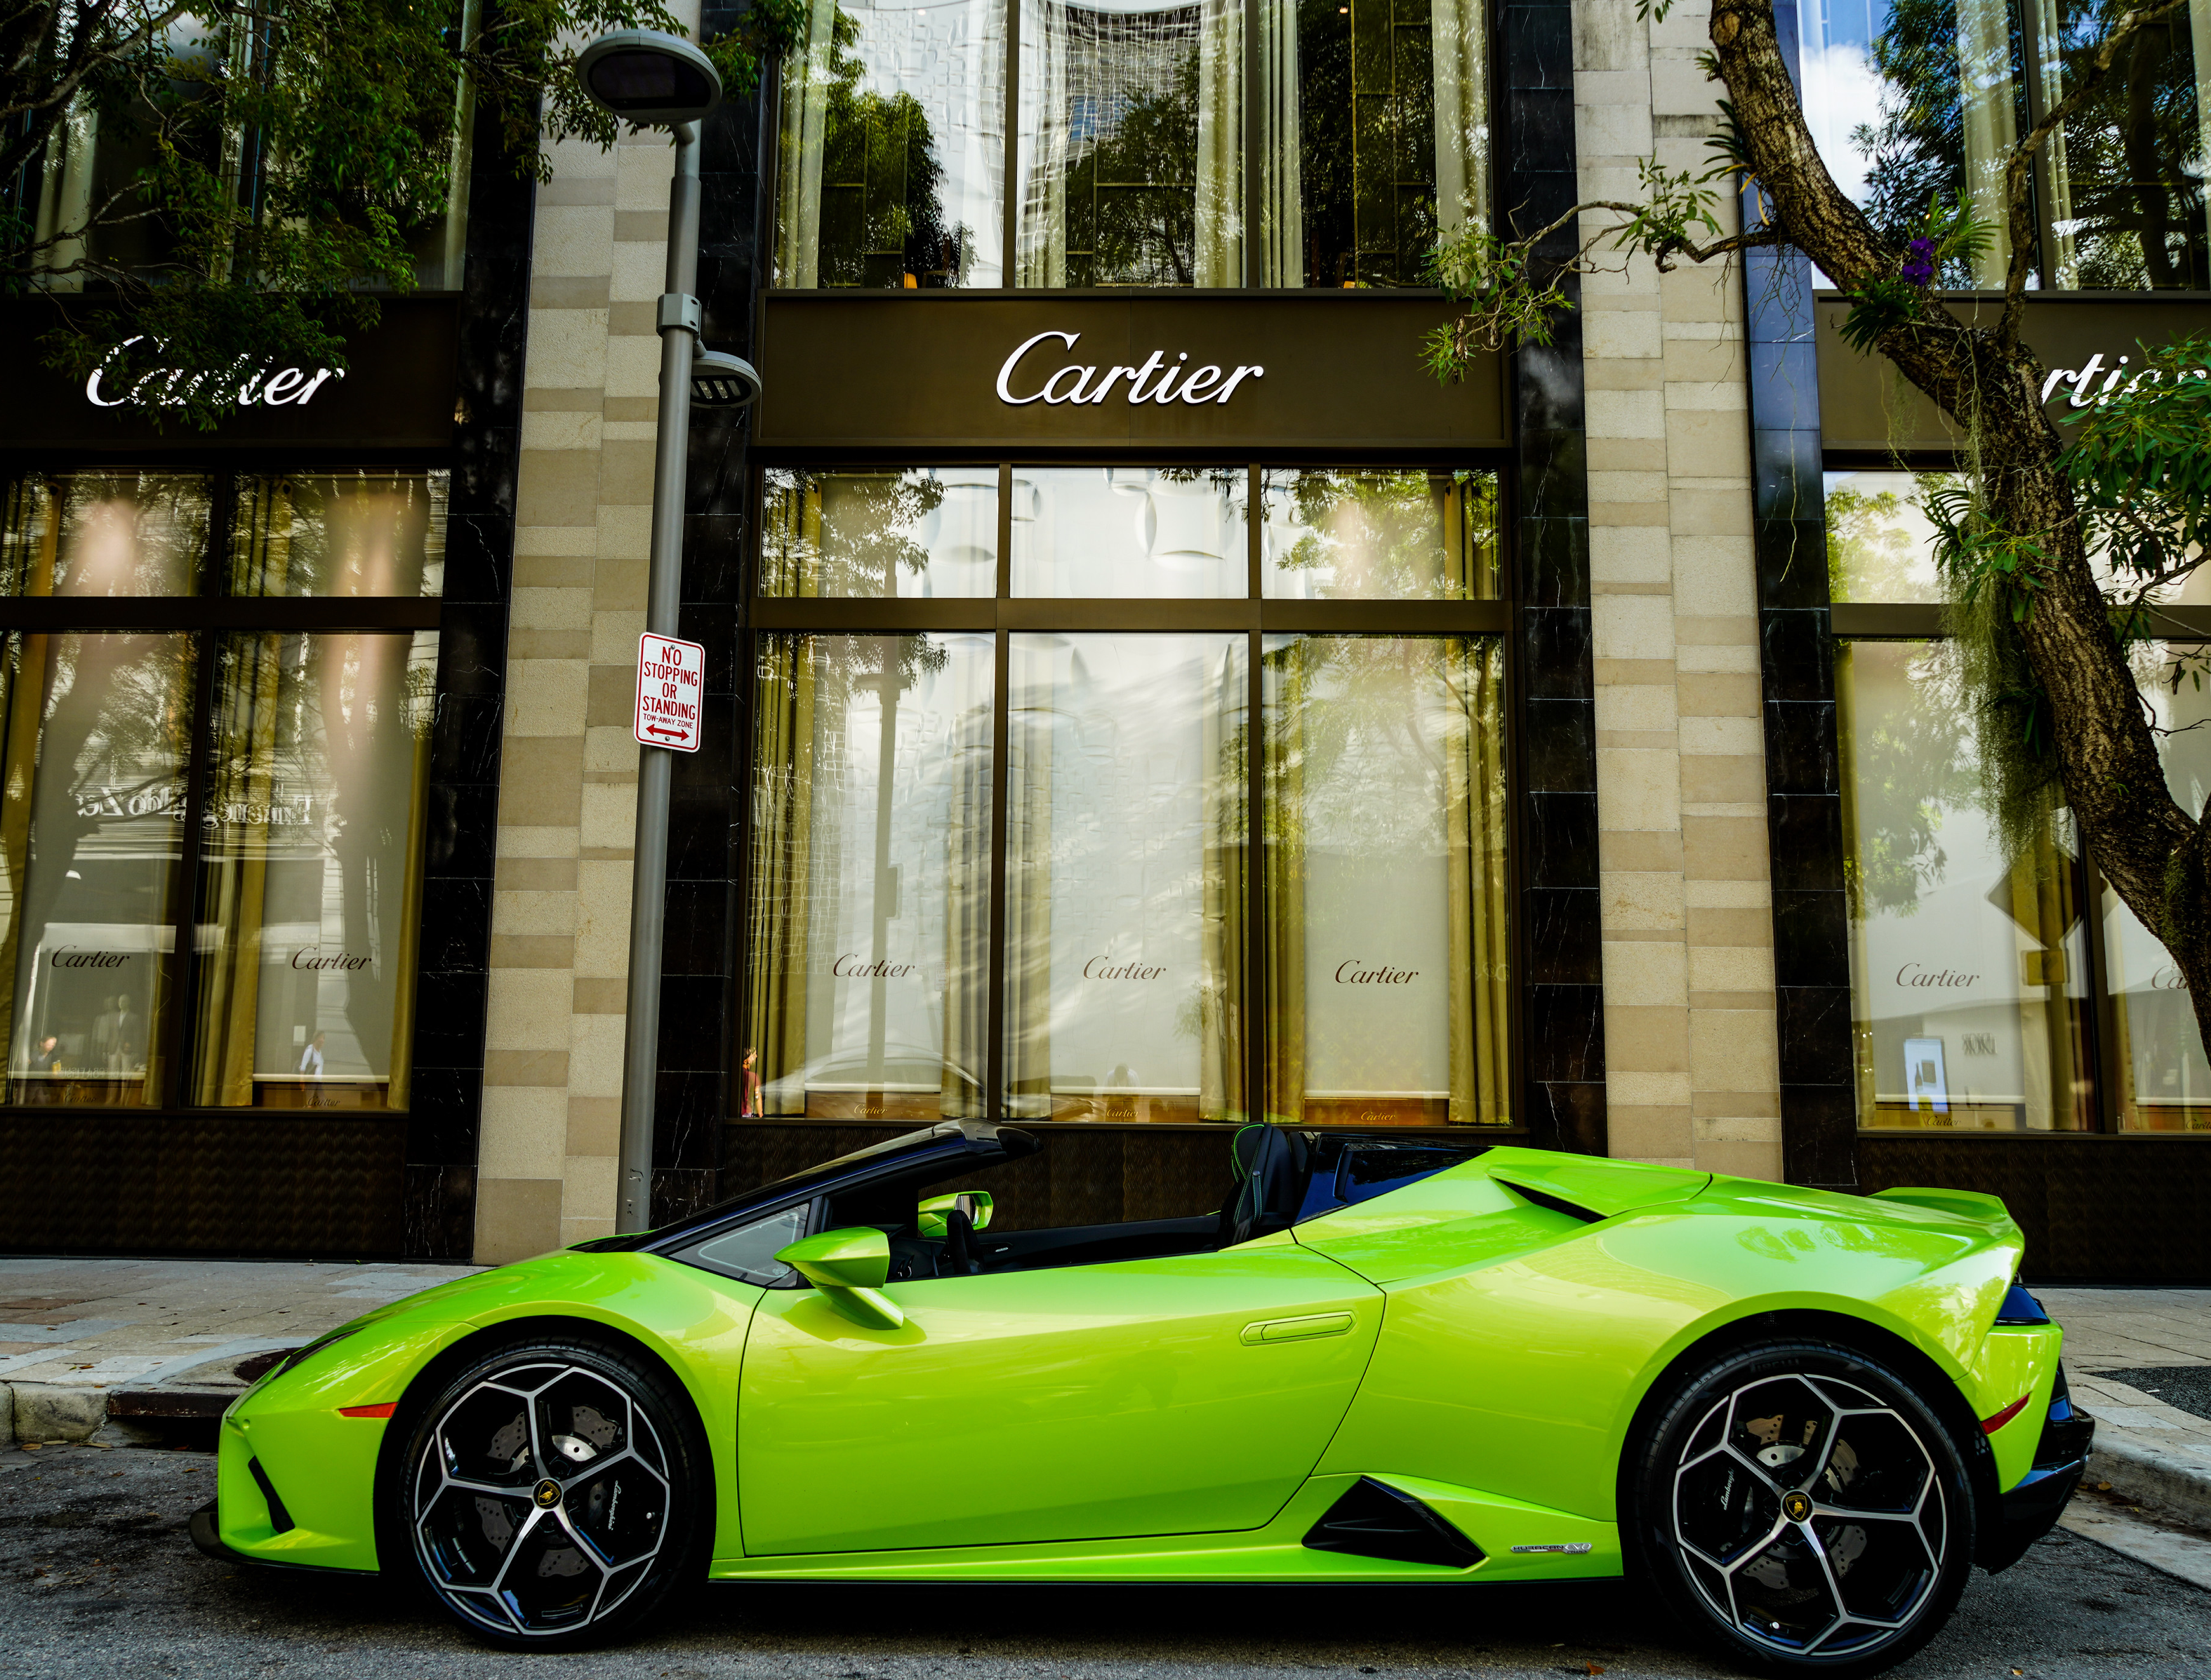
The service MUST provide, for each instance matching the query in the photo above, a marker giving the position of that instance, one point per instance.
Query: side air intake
(1374, 1520)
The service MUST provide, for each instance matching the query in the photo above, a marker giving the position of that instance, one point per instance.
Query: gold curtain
(1475, 823)
(241, 789)
(808, 70)
(1284, 863)
(37, 506)
(1218, 223)
(1031, 722)
(1223, 999)
(781, 823)
(1282, 229)
(967, 924)
(2039, 895)
(399, 1093)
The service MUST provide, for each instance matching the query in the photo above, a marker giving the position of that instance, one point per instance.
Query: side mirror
(849, 1267)
(975, 1204)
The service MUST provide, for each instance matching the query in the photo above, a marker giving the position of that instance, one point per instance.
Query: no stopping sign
(671, 689)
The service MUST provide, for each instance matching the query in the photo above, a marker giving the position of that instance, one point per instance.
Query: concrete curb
(53, 1411)
(2151, 1479)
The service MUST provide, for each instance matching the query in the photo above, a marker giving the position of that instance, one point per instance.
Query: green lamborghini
(1801, 1415)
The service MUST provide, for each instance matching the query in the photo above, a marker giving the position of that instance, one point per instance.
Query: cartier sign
(1212, 373)
(243, 380)
(1078, 383)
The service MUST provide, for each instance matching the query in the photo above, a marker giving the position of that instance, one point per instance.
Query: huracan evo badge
(1571, 1547)
(671, 692)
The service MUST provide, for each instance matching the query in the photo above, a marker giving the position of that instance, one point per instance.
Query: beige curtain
(242, 786)
(967, 924)
(2039, 895)
(1282, 178)
(65, 200)
(1223, 997)
(1041, 256)
(1460, 33)
(1984, 83)
(1032, 722)
(782, 824)
(401, 1088)
(2051, 73)
(1475, 821)
(1284, 865)
(805, 132)
(1218, 259)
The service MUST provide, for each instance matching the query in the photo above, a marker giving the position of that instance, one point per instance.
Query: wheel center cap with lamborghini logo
(1796, 1507)
(547, 1493)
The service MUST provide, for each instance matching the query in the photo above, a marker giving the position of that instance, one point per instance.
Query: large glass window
(1134, 126)
(1987, 997)
(1909, 100)
(208, 887)
(919, 532)
(893, 154)
(1009, 867)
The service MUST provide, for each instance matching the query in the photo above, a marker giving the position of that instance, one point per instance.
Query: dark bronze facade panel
(399, 393)
(921, 371)
(2095, 1209)
(203, 1183)
(1867, 408)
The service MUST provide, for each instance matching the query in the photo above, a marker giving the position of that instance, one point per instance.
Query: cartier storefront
(1153, 677)
(245, 777)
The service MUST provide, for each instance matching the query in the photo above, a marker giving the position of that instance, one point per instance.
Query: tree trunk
(2153, 853)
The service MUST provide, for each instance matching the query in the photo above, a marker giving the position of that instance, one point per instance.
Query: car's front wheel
(552, 1494)
(1803, 1505)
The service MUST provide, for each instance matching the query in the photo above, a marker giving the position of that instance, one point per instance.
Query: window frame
(204, 617)
(1002, 615)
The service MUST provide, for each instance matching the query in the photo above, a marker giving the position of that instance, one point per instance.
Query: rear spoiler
(1960, 1204)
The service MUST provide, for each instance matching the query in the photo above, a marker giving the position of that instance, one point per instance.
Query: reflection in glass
(340, 534)
(1910, 99)
(1131, 147)
(311, 870)
(1377, 136)
(2126, 173)
(1969, 974)
(122, 532)
(91, 838)
(1388, 948)
(893, 154)
(1172, 533)
(2165, 1082)
(922, 531)
(1379, 535)
(1881, 545)
(1126, 833)
(866, 957)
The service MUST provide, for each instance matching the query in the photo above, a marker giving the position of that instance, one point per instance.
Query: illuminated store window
(211, 840)
(1987, 997)
(871, 878)
(1908, 101)
(1969, 972)
(1034, 866)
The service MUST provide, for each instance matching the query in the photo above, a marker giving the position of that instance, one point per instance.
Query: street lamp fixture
(649, 79)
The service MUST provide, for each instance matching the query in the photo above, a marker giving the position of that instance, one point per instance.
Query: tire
(553, 1494)
(1801, 1506)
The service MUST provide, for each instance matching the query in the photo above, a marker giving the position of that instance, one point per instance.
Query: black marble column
(463, 813)
(1562, 993)
(700, 968)
(1803, 776)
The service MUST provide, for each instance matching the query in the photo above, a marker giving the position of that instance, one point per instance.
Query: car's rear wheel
(553, 1494)
(1803, 1506)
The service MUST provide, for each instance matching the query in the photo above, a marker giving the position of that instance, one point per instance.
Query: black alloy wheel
(550, 1495)
(1802, 1505)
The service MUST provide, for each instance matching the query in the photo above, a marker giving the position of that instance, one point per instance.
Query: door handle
(1296, 1329)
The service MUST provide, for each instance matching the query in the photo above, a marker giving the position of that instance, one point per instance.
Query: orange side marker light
(1988, 1427)
(390, 1406)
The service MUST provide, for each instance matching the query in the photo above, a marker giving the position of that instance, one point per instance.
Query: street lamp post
(649, 79)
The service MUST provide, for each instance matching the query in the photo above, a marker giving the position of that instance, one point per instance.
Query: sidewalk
(2140, 1360)
(88, 1345)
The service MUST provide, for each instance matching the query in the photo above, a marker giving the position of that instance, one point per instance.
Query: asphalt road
(98, 1577)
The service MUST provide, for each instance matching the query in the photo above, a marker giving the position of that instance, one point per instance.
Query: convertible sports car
(1803, 1416)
